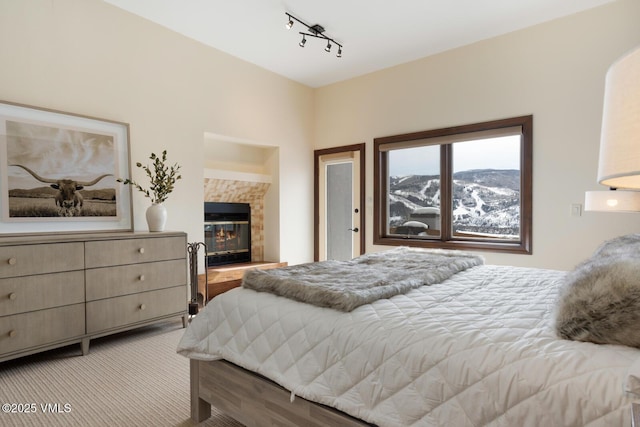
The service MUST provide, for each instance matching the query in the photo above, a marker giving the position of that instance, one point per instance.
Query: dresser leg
(85, 346)
(184, 320)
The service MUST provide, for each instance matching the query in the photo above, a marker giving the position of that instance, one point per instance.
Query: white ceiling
(376, 34)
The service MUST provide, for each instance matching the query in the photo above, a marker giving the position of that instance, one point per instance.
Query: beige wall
(554, 71)
(91, 58)
(88, 57)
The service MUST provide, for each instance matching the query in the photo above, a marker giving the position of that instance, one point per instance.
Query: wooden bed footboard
(255, 400)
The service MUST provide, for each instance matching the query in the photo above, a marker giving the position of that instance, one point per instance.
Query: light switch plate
(576, 209)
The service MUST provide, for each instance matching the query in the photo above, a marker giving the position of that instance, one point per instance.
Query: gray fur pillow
(600, 301)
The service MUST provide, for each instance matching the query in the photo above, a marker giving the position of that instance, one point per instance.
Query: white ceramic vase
(156, 217)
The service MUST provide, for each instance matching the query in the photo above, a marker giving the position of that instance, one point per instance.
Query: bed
(480, 347)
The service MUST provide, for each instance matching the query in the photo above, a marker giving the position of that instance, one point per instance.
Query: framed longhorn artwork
(58, 172)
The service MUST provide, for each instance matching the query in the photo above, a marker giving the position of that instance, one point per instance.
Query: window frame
(446, 240)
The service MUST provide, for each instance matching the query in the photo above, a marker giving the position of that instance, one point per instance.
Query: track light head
(328, 48)
(290, 23)
(303, 41)
(339, 54)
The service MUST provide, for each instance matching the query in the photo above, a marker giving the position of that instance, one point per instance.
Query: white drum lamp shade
(619, 161)
(612, 201)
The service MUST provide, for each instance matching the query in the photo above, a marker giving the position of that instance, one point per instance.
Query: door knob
(355, 230)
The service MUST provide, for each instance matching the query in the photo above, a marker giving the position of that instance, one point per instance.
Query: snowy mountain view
(485, 202)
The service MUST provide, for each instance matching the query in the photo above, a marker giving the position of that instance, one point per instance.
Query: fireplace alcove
(240, 173)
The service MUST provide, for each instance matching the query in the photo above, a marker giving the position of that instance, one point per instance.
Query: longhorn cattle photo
(59, 172)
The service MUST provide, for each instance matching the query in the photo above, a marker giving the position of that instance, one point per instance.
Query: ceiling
(376, 34)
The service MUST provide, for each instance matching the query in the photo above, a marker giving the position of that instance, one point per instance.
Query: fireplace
(227, 233)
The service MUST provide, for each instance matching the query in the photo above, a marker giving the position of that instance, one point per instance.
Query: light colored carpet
(135, 378)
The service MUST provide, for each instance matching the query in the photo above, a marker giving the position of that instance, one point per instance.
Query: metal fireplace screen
(227, 233)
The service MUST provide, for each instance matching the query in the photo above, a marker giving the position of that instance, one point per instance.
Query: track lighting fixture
(316, 31)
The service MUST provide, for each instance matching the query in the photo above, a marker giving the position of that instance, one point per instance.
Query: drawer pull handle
(13, 296)
(12, 261)
(142, 307)
(141, 250)
(12, 334)
(141, 278)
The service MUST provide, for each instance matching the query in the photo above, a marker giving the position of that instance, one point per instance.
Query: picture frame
(58, 172)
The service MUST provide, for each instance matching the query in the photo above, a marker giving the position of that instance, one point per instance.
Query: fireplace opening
(227, 233)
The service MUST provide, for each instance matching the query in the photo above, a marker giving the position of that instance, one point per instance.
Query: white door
(339, 216)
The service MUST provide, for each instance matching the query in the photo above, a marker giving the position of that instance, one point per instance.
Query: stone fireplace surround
(236, 191)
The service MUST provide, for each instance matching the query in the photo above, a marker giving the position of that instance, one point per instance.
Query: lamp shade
(619, 162)
(612, 201)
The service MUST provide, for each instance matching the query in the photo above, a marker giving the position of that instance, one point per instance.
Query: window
(465, 187)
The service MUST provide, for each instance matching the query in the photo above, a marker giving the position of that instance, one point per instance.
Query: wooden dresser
(60, 290)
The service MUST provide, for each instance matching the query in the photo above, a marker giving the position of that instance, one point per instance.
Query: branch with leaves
(162, 177)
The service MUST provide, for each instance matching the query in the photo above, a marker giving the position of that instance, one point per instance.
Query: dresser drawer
(23, 331)
(112, 313)
(22, 294)
(38, 259)
(109, 282)
(130, 251)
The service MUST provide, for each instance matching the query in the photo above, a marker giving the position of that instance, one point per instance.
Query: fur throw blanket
(600, 301)
(345, 285)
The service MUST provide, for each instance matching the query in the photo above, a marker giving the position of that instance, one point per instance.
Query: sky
(57, 152)
(493, 153)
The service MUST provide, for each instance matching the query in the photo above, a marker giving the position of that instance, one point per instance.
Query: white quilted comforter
(477, 349)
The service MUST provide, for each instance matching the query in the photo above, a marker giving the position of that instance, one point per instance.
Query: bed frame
(254, 400)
